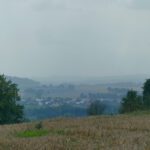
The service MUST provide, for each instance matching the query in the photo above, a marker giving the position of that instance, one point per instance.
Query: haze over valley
(72, 99)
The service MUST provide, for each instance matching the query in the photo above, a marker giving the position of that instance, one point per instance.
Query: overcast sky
(84, 38)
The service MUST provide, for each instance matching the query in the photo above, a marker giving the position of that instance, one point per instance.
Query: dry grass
(94, 133)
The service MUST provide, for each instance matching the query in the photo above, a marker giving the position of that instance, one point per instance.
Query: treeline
(130, 103)
(134, 102)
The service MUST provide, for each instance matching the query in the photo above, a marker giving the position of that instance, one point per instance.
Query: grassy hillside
(126, 132)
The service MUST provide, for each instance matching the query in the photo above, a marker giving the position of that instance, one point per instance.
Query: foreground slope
(127, 132)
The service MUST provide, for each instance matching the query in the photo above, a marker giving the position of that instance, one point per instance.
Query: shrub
(96, 108)
(39, 126)
(132, 102)
(10, 109)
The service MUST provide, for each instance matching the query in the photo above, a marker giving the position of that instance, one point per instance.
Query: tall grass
(125, 132)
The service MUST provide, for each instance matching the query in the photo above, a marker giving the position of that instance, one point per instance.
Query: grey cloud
(144, 4)
(74, 37)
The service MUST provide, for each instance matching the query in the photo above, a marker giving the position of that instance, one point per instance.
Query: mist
(66, 38)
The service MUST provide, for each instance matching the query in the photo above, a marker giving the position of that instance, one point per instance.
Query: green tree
(10, 110)
(132, 102)
(96, 108)
(146, 94)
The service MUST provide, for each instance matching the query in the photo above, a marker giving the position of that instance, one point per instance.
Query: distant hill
(24, 83)
(95, 80)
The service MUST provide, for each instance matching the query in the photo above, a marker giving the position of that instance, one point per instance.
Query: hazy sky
(44, 38)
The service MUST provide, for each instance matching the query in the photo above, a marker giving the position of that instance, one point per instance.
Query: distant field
(80, 89)
(126, 132)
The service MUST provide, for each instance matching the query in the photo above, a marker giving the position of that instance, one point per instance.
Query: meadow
(122, 132)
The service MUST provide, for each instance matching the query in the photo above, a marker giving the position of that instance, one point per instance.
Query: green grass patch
(39, 133)
(32, 133)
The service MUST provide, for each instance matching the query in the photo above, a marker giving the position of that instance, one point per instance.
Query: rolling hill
(122, 132)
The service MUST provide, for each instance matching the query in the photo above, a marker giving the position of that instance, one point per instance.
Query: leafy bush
(96, 108)
(10, 110)
(132, 102)
(39, 126)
